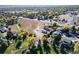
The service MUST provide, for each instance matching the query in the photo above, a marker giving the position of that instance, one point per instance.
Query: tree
(73, 29)
(30, 15)
(50, 15)
(46, 45)
(18, 44)
(9, 35)
(66, 28)
(23, 34)
(40, 47)
(54, 24)
(66, 47)
(33, 49)
(76, 48)
(56, 41)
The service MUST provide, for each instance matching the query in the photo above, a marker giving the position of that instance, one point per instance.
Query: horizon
(14, 6)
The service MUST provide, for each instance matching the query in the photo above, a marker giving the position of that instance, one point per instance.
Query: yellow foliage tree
(66, 27)
(76, 48)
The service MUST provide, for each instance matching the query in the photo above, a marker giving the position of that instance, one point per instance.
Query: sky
(39, 2)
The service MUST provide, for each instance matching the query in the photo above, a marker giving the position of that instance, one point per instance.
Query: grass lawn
(11, 48)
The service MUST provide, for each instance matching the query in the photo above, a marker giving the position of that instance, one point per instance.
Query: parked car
(4, 29)
(59, 29)
(44, 31)
(4, 41)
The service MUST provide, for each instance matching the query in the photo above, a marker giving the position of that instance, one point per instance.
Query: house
(68, 18)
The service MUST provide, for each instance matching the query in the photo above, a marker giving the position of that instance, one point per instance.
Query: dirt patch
(28, 24)
(14, 28)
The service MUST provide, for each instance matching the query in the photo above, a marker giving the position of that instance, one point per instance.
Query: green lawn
(11, 48)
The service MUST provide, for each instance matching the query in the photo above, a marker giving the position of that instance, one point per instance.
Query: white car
(4, 29)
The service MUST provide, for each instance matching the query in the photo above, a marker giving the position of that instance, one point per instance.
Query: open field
(28, 25)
